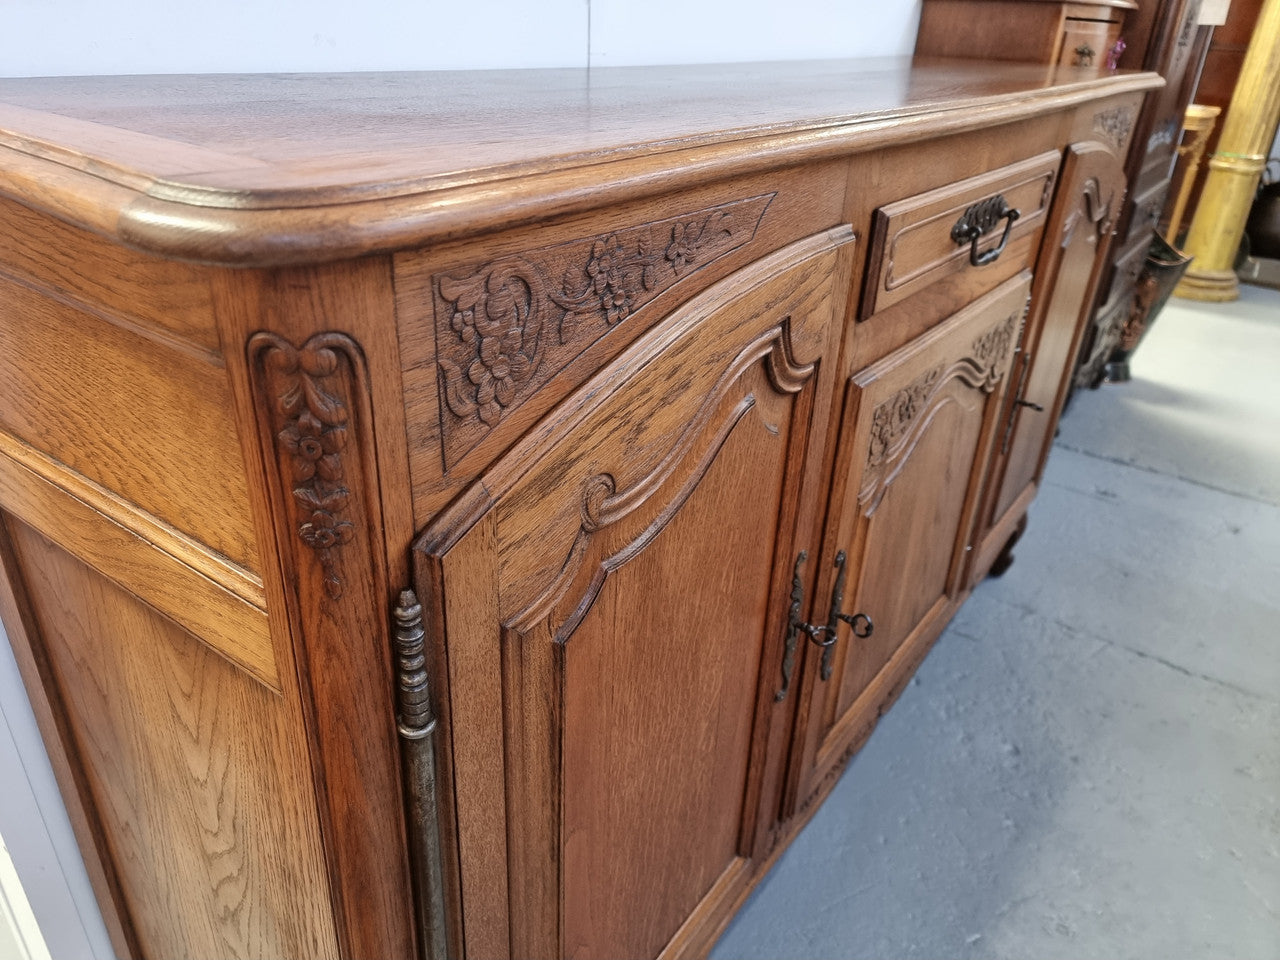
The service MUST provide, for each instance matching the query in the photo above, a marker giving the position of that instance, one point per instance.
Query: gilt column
(1234, 170)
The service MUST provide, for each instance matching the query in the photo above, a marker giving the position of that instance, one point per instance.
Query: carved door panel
(916, 430)
(613, 598)
(1072, 257)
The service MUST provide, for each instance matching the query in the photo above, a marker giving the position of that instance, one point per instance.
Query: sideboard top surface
(280, 168)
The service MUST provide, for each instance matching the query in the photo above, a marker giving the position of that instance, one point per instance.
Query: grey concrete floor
(1088, 763)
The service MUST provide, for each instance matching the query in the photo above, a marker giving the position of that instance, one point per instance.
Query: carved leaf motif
(505, 328)
(1114, 125)
(311, 437)
(893, 418)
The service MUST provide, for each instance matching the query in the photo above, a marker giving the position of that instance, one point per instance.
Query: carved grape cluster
(312, 439)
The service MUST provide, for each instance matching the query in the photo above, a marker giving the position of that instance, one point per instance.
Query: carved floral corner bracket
(310, 418)
(894, 419)
(1114, 125)
(506, 327)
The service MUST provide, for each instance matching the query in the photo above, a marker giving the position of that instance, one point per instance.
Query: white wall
(60, 37)
(63, 37)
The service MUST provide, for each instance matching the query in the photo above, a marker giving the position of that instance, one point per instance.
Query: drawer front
(912, 243)
(1086, 43)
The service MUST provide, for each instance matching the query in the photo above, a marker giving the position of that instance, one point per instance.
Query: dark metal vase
(1164, 267)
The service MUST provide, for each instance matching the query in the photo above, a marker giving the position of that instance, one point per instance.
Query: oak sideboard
(480, 514)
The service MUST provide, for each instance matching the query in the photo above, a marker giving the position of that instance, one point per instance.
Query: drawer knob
(981, 218)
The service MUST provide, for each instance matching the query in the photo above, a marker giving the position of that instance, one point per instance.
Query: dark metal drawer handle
(979, 219)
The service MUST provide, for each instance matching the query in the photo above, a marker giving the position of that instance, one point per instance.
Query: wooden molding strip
(218, 603)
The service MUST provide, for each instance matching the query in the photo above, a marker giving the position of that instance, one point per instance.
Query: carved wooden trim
(896, 420)
(309, 390)
(505, 328)
(602, 504)
(1114, 126)
(1100, 212)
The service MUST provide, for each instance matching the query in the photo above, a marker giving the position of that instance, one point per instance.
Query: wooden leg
(1005, 560)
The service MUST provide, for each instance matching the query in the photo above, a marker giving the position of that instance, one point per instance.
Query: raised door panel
(916, 429)
(614, 597)
(1071, 261)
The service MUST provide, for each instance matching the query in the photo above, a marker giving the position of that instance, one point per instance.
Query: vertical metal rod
(417, 724)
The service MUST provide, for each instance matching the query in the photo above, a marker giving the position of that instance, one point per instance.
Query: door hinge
(416, 721)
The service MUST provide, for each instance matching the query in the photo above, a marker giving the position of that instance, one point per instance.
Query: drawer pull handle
(979, 219)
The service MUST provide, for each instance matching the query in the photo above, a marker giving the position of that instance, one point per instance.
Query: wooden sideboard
(481, 514)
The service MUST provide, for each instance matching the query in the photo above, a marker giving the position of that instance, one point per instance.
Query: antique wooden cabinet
(481, 514)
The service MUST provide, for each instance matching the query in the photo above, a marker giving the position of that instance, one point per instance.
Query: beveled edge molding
(217, 603)
(310, 406)
(503, 329)
(237, 228)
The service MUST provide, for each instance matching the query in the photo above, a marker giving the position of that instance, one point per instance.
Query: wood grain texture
(201, 792)
(24, 636)
(90, 524)
(571, 576)
(166, 300)
(305, 168)
(105, 396)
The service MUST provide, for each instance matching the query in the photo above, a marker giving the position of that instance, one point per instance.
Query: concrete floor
(1088, 763)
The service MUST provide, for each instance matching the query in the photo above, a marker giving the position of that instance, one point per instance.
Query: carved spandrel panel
(894, 420)
(504, 328)
(1114, 126)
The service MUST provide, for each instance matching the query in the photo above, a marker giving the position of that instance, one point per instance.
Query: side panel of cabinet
(614, 594)
(187, 781)
(916, 430)
(1071, 260)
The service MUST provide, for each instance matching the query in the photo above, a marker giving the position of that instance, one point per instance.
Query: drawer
(911, 239)
(1147, 207)
(1086, 43)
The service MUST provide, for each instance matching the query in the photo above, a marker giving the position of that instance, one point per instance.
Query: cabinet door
(1072, 257)
(613, 596)
(916, 429)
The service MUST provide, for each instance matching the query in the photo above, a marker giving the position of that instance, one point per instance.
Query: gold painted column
(1196, 125)
(1234, 170)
